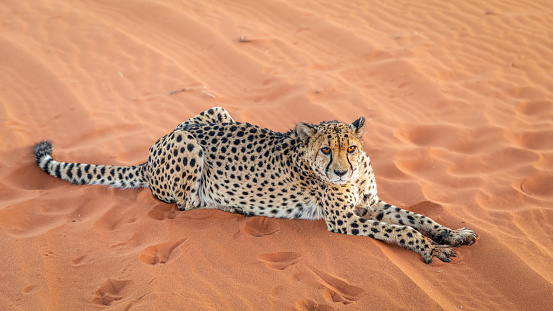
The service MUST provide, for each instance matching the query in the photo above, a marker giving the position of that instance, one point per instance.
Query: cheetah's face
(333, 149)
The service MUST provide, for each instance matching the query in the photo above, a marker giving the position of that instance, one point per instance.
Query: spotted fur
(311, 172)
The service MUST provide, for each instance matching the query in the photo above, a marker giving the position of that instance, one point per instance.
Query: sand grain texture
(459, 102)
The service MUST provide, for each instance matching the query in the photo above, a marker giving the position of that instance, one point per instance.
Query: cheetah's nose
(340, 173)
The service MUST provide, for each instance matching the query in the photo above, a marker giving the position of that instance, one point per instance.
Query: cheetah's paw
(456, 238)
(443, 252)
(463, 236)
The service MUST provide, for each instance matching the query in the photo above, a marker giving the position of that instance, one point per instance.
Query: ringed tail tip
(42, 149)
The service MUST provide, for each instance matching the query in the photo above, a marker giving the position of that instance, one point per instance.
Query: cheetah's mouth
(338, 181)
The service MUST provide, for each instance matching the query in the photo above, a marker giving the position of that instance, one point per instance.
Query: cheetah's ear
(305, 131)
(358, 126)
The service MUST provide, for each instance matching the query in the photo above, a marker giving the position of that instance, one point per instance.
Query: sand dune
(459, 105)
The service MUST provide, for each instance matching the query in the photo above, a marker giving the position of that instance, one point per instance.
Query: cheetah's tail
(90, 174)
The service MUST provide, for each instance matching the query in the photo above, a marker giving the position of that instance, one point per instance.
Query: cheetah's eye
(325, 150)
(351, 149)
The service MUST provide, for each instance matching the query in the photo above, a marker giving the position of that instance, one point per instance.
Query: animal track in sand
(336, 290)
(110, 291)
(279, 260)
(162, 212)
(160, 253)
(260, 226)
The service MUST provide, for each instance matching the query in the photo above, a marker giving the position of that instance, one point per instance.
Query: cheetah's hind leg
(176, 165)
(215, 115)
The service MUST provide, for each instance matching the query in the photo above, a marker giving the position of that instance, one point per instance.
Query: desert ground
(458, 98)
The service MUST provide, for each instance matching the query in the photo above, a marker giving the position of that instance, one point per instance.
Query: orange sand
(459, 102)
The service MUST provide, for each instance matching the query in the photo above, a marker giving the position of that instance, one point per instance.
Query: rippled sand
(459, 102)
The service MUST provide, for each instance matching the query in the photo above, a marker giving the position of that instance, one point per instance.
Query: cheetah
(310, 172)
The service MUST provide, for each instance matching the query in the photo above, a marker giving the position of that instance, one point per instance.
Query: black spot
(190, 147)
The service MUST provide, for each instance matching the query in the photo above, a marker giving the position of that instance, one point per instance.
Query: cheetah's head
(333, 149)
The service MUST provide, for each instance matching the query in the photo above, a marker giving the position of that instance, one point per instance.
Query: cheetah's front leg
(403, 235)
(382, 211)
